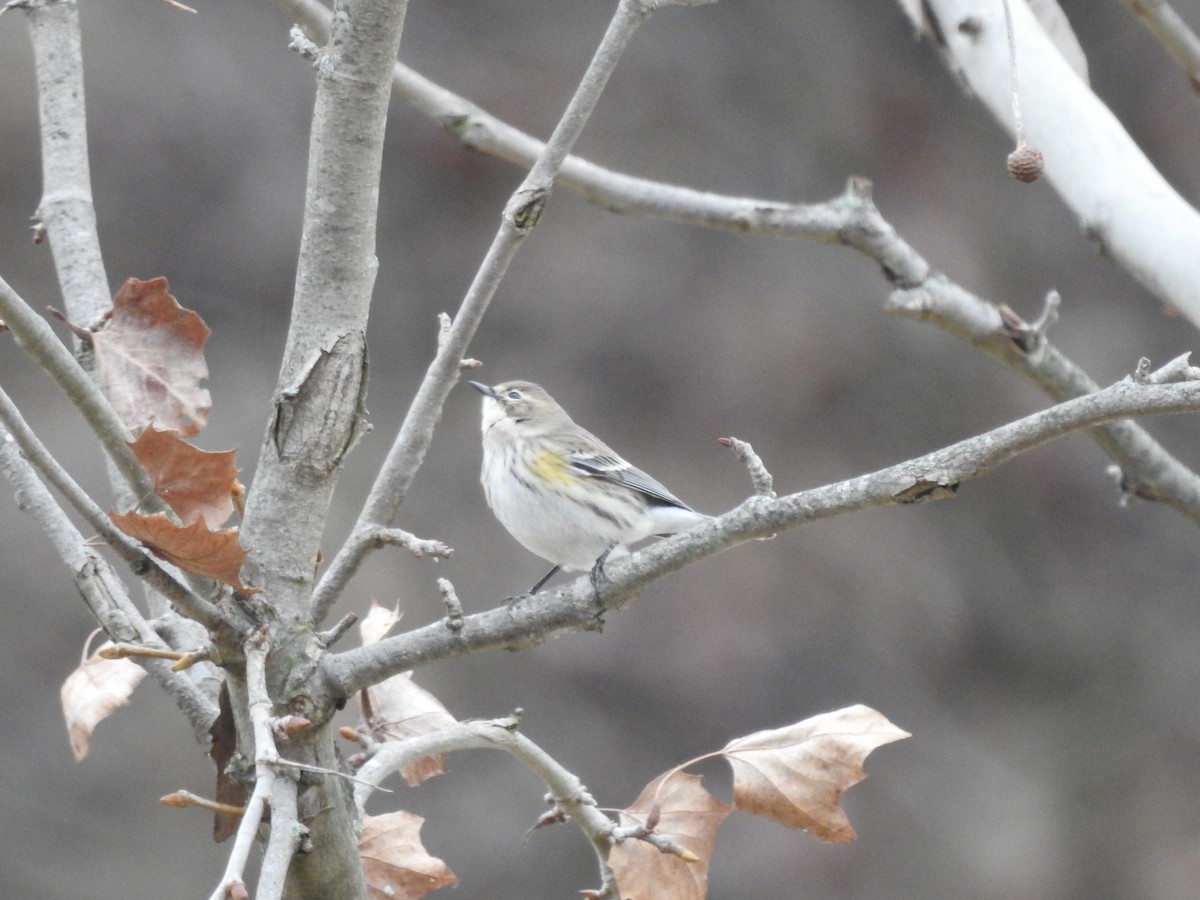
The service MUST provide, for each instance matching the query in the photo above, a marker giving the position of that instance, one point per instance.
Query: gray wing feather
(616, 470)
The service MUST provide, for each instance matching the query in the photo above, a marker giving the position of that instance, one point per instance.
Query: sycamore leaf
(398, 708)
(795, 775)
(195, 549)
(197, 484)
(395, 864)
(230, 791)
(376, 624)
(150, 359)
(93, 692)
(687, 816)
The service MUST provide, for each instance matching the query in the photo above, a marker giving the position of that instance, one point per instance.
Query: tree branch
(101, 589)
(66, 212)
(287, 836)
(318, 403)
(521, 214)
(37, 339)
(187, 601)
(265, 759)
(581, 605)
(1123, 204)
(567, 792)
(851, 219)
(1147, 469)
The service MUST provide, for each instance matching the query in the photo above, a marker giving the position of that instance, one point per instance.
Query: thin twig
(454, 610)
(287, 834)
(764, 484)
(265, 757)
(1018, 122)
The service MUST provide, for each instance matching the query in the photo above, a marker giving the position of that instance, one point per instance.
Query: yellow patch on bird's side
(550, 466)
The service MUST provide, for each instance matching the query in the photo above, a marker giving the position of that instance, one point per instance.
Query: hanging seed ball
(1026, 164)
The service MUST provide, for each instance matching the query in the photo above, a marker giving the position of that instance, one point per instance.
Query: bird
(564, 494)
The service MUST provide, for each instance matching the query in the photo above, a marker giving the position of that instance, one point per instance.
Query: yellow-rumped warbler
(562, 492)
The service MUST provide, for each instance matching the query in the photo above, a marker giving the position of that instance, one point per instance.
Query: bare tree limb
(851, 219)
(66, 212)
(37, 339)
(567, 792)
(265, 758)
(581, 604)
(318, 404)
(101, 589)
(521, 214)
(287, 836)
(1147, 469)
(186, 600)
(1123, 204)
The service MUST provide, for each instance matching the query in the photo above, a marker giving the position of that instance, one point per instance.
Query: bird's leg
(597, 575)
(537, 587)
(511, 601)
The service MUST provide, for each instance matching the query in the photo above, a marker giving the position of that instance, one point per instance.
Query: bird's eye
(514, 395)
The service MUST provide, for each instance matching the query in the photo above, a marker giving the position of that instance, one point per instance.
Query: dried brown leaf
(395, 863)
(796, 774)
(398, 707)
(197, 484)
(93, 692)
(230, 791)
(150, 359)
(195, 549)
(689, 817)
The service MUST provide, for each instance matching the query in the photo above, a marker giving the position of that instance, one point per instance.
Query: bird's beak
(484, 389)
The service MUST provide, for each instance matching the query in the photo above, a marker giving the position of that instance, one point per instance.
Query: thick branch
(933, 476)
(66, 212)
(318, 401)
(1123, 204)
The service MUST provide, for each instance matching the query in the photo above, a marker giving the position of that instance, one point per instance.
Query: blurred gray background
(1041, 643)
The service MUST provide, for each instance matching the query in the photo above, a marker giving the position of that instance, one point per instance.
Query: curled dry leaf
(795, 775)
(398, 707)
(378, 621)
(195, 549)
(197, 484)
(230, 791)
(689, 817)
(395, 864)
(150, 359)
(93, 692)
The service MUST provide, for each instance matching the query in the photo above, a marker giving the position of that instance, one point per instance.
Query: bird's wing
(616, 470)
